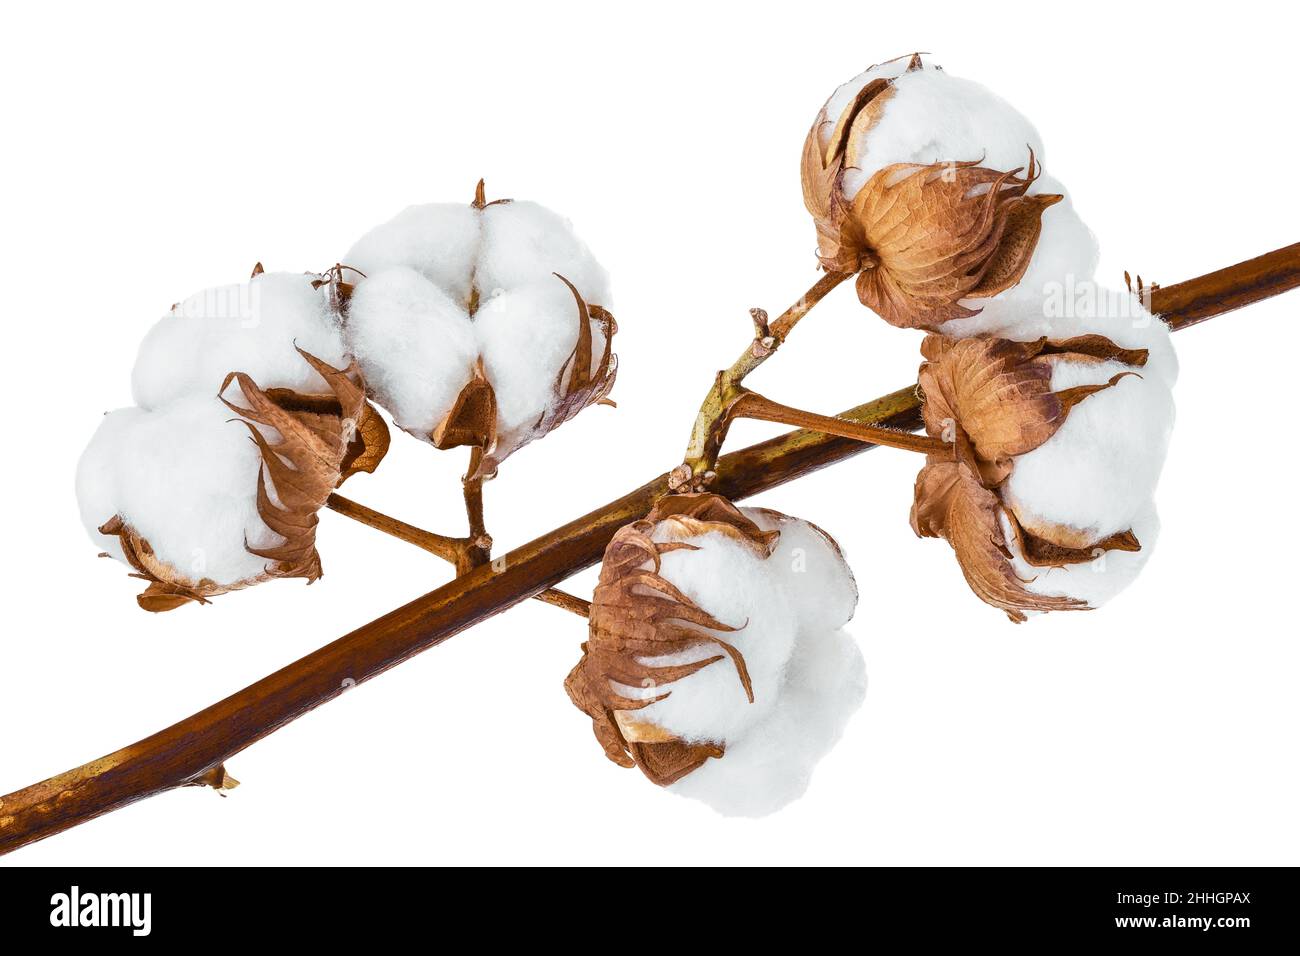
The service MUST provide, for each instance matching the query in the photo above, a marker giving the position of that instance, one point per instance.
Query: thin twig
(714, 417)
(197, 745)
(563, 599)
(447, 548)
(443, 546)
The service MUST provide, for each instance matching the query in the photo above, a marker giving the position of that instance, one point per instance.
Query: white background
(153, 151)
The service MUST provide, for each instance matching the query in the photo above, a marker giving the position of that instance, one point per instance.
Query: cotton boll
(415, 345)
(772, 764)
(1097, 581)
(811, 569)
(1102, 465)
(185, 479)
(734, 585)
(490, 293)
(250, 328)
(441, 241)
(654, 593)
(524, 244)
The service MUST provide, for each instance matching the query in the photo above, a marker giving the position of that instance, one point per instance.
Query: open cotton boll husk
(706, 630)
(471, 320)
(213, 493)
(930, 188)
(252, 327)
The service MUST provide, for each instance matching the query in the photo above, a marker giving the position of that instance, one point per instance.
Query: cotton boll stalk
(705, 630)
(1056, 449)
(254, 327)
(209, 494)
(481, 325)
(928, 187)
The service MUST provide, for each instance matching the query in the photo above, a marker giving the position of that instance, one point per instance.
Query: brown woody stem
(190, 750)
(448, 549)
(762, 408)
(714, 418)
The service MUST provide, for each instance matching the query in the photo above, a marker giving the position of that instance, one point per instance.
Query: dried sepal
(840, 242)
(952, 503)
(992, 399)
(167, 589)
(637, 616)
(304, 463)
(935, 234)
(472, 420)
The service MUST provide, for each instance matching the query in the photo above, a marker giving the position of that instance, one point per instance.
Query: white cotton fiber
(415, 345)
(185, 479)
(812, 571)
(524, 244)
(439, 240)
(807, 674)
(489, 292)
(1101, 467)
(934, 117)
(252, 328)
(826, 683)
(1097, 581)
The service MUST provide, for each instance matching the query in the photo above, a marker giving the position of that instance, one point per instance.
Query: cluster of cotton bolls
(486, 303)
(1030, 276)
(716, 662)
(174, 486)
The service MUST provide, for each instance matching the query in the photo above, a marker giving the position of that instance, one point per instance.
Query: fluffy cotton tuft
(807, 675)
(251, 328)
(185, 479)
(448, 286)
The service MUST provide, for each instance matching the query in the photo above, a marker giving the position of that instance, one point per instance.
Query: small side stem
(478, 550)
(710, 429)
(569, 602)
(443, 546)
(753, 405)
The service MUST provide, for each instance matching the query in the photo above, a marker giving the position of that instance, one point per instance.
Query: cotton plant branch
(194, 750)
